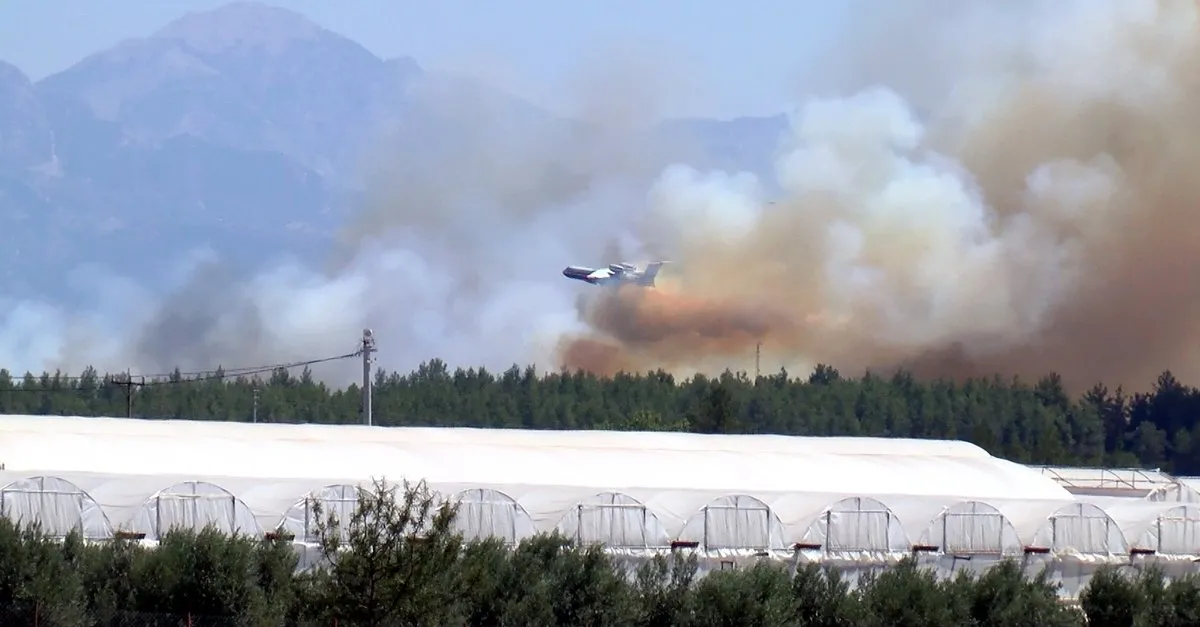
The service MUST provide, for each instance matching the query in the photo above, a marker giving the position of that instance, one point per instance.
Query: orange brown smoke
(1045, 218)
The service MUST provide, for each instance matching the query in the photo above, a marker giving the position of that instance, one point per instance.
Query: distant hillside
(240, 128)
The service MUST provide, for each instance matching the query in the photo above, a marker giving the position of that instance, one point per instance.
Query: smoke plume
(977, 188)
(1036, 211)
(472, 209)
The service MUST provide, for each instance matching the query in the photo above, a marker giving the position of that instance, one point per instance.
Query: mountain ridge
(241, 129)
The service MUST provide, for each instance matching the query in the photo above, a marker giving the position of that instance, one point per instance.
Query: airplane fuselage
(595, 276)
(614, 273)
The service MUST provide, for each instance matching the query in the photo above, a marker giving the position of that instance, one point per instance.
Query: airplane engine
(577, 272)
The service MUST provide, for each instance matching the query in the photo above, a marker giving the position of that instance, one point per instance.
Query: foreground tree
(395, 565)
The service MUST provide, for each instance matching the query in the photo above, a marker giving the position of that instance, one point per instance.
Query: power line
(64, 383)
(173, 378)
(208, 375)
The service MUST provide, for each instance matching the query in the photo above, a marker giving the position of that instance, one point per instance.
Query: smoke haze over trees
(245, 186)
(1039, 215)
(946, 199)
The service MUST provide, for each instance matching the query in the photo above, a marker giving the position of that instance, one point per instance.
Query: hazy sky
(732, 59)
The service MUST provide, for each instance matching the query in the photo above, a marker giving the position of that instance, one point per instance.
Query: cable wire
(207, 375)
(172, 378)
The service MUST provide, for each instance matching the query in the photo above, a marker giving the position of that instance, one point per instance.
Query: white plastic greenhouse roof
(1181, 489)
(1108, 481)
(629, 490)
(617, 460)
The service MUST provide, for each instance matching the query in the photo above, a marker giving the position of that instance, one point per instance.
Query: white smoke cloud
(457, 254)
(1008, 182)
(979, 200)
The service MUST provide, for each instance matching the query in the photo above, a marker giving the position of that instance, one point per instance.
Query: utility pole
(368, 348)
(255, 404)
(127, 382)
(757, 360)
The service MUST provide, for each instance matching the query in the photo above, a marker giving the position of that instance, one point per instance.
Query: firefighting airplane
(615, 274)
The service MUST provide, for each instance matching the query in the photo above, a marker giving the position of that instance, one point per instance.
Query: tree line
(399, 561)
(1034, 422)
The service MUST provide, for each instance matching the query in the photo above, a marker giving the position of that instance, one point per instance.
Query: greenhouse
(861, 503)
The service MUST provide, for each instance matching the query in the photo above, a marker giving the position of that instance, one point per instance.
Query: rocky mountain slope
(242, 129)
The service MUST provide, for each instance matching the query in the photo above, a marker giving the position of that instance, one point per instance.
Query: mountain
(239, 128)
(744, 143)
(244, 76)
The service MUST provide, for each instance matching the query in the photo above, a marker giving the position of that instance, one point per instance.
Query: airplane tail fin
(647, 278)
